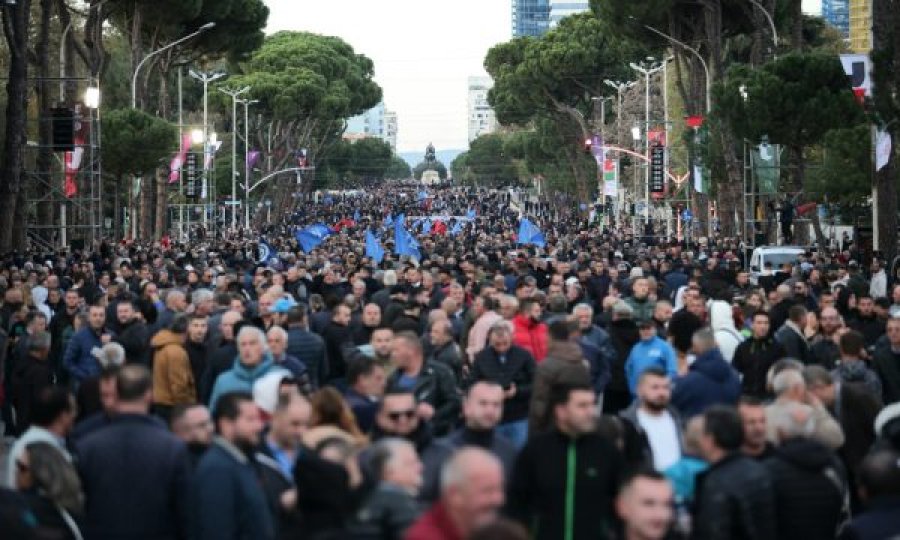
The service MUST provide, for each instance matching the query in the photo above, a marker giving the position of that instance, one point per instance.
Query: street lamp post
(647, 71)
(771, 25)
(246, 103)
(205, 78)
(234, 96)
(695, 53)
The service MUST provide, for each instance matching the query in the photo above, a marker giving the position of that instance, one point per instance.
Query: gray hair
(704, 340)
(786, 380)
(791, 420)
(256, 332)
(456, 471)
(385, 452)
(110, 355)
(390, 278)
(277, 330)
(201, 295)
(584, 306)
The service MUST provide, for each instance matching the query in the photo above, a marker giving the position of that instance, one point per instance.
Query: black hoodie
(810, 487)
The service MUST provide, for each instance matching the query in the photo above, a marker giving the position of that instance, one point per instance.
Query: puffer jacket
(643, 308)
(856, 371)
(531, 336)
(710, 381)
(173, 378)
(240, 378)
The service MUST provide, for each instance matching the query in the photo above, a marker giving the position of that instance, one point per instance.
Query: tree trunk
(48, 184)
(15, 29)
(886, 25)
(162, 181)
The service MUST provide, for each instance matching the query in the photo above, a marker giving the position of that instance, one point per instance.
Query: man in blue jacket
(227, 498)
(78, 359)
(651, 350)
(253, 362)
(710, 379)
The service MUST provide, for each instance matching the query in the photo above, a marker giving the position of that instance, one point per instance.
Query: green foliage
(399, 169)
(136, 142)
(355, 163)
(488, 162)
(794, 100)
(845, 174)
(460, 171)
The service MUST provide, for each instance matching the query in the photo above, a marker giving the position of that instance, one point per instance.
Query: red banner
(73, 164)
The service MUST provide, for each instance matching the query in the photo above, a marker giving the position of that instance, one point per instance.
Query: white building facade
(482, 119)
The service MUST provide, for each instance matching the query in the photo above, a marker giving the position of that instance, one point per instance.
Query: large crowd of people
(592, 383)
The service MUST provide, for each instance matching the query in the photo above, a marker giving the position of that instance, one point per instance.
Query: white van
(776, 255)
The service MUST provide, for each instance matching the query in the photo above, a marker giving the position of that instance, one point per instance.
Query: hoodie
(856, 371)
(722, 323)
(710, 381)
(645, 354)
(240, 378)
(173, 379)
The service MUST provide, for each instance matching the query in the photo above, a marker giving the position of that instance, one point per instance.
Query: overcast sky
(424, 51)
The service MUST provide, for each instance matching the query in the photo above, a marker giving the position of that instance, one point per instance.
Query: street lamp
(246, 103)
(647, 70)
(234, 96)
(771, 25)
(695, 53)
(206, 78)
(92, 97)
(204, 28)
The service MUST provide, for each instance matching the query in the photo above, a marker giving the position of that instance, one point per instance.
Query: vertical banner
(178, 160)
(657, 168)
(610, 177)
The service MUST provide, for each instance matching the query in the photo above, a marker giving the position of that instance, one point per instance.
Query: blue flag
(457, 228)
(471, 213)
(266, 252)
(426, 226)
(405, 244)
(311, 237)
(423, 195)
(373, 248)
(389, 220)
(530, 234)
(356, 215)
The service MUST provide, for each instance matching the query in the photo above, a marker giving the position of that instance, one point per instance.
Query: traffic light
(63, 129)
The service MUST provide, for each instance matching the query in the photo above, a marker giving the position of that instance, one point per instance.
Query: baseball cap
(283, 305)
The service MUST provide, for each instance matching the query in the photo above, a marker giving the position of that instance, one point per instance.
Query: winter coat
(643, 308)
(752, 359)
(227, 500)
(336, 337)
(240, 378)
(624, 334)
(221, 359)
(173, 379)
(794, 343)
(436, 386)
(886, 364)
(30, 377)
(136, 478)
(871, 328)
(531, 336)
(134, 338)
(710, 380)
(856, 371)
(601, 339)
(734, 499)
(435, 524)
(810, 489)
(880, 520)
(559, 480)
(519, 369)
(597, 364)
(448, 355)
(309, 348)
(386, 514)
(78, 360)
(564, 363)
(655, 352)
(722, 323)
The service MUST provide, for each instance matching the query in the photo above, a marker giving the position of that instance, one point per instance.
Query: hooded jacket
(173, 379)
(643, 308)
(722, 323)
(710, 381)
(645, 354)
(240, 378)
(856, 371)
(531, 336)
(810, 489)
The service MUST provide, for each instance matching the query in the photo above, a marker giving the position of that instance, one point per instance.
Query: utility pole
(205, 78)
(246, 103)
(647, 70)
(234, 94)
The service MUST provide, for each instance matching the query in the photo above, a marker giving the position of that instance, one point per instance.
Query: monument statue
(429, 154)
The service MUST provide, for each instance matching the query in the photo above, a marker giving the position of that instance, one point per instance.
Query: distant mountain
(444, 156)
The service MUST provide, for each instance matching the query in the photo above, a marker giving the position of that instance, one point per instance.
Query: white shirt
(662, 433)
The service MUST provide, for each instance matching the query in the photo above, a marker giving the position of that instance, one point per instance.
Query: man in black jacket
(887, 363)
(754, 356)
(306, 346)
(433, 384)
(734, 497)
(808, 479)
(134, 335)
(565, 481)
(513, 368)
(221, 358)
(791, 336)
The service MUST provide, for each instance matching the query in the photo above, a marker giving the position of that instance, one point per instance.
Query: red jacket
(434, 525)
(531, 336)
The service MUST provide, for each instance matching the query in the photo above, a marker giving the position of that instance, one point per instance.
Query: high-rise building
(861, 26)
(530, 17)
(563, 8)
(390, 129)
(377, 122)
(837, 14)
(482, 119)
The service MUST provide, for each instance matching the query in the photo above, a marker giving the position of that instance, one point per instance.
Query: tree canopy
(141, 141)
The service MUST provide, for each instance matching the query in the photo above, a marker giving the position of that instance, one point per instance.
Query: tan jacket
(173, 380)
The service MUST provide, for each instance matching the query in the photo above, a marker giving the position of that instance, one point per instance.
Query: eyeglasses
(397, 415)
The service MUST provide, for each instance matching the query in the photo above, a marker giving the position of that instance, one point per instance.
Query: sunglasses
(397, 415)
